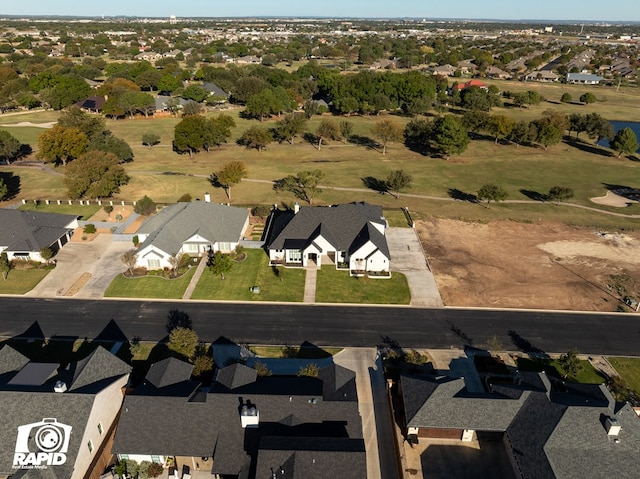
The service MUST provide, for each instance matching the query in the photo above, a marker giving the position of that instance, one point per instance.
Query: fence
(251, 244)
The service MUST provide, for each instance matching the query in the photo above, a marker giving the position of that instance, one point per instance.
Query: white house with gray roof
(23, 234)
(190, 228)
(348, 236)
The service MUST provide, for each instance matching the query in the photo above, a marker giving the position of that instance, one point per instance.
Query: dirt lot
(546, 265)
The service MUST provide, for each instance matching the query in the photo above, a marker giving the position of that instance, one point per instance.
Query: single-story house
(445, 70)
(243, 425)
(349, 236)
(25, 233)
(215, 90)
(472, 83)
(92, 104)
(549, 429)
(194, 229)
(57, 421)
(495, 72)
(584, 78)
(543, 76)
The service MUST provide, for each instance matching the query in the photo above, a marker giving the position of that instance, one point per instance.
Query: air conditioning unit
(60, 387)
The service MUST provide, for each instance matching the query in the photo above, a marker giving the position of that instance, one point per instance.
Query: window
(153, 263)
(295, 256)
(90, 445)
(100, 428)
(224, 246)
(156, 459)
(191, 248)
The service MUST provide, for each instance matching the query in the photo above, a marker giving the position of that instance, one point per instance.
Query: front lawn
(587, 374)
(275, 284)
(335, 286)
(149, 287)
(21, 281)
(629, 370)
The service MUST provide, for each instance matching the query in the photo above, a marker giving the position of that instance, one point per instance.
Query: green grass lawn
(396, 218)
(335, 286)
(85, 211)
(149, 287)
(21, 281)
(586, 375)
(629, 370)
(287, 286)
(294, 352)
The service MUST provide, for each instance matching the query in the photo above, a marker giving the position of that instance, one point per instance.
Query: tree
(175, 261)
(491, 192)
(46, 254)
(5, 265)
(559, 193)
(289, 127)
(566, 98)
(191, 108)
(587, 98)
(548, 135)
(61, 144)
(90, 125)
(129, 259)
(262, 369)
(183, 341)
(189, 133)
(500, 126)
(202, 363)
(520, 133)
(570, 363)
(150, 139)
(387, 131)
(9, 147)
(304, 185)
(96, 174)
(256, 137)
(418, 134)
(231, 174)
(107, 142)
(625, 141)
(397, 181)
(217, 130)
(145, 206)
(346, 130)
(311, 370)
(4, 189)
(449, 136)
(597, 127)
(327, 129)
(195, 93)
(220, 263)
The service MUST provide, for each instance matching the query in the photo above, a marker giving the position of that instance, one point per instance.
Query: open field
(518, 265)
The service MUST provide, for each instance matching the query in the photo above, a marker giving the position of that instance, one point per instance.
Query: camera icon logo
(42, 444)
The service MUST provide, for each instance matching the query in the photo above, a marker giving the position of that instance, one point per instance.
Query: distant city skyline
(587, 10)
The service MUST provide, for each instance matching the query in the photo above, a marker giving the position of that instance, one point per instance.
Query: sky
(591, 10)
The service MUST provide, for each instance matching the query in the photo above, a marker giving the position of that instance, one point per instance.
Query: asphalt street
(259, 323)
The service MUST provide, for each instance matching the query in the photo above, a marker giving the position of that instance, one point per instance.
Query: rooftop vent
(613, 426)
(249, 416)
(207, 198)
(60, 387)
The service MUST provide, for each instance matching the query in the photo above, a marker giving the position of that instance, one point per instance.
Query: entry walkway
(407, 257)
(196, 277)
(311, 275)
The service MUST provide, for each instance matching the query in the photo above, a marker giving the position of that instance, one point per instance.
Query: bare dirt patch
(545, 265)
(119, 213)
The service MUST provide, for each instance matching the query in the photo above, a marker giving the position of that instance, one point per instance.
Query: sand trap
(49, 124)
(614, 247)
(612, 199)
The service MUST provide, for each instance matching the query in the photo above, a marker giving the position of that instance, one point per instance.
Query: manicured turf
(21, 281)
(253, 271)
(294, 352)
(586, 375)
(335, 286)
(149, 287)
(85, 212)
(629, 370)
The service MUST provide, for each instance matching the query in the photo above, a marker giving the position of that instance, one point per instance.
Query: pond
(619, 125)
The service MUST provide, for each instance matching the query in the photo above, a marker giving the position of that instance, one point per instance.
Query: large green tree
(387, 131)
(500, 126)
(625, 141)
(229, 175)
(220, 264)
(90, 125)
(491, 192)
(397, 181)
(189, 134)
(305, 185)
(96, 174)
(449, 136)
(106, 142)
(327, 129)
(217, 130)
(255, 137)
(61, 144)
(9, 147)
(292, 125)
(183, 341)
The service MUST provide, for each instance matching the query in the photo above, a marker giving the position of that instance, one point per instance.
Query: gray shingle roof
(168, 372)
(99, 366)
(30, 230)
(236, 375)
(11, 360)
(214, 89)
(341, 225)
(170, 228)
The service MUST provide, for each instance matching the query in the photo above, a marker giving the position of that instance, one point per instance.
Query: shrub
(155, 470)
(202, 364)
(186, 198)
(108, 209)
(311, 370)
(136, 240)
(262, 369)
(145, 206)
(89, 229)
(261, 210)
(566, 98)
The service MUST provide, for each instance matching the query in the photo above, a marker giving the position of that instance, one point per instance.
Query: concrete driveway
(407, 257)
(84, 269)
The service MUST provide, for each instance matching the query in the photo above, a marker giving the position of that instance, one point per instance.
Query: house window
(100, 428)
(156, 459)
(123, 457)
(191, 248)
(224, 246)
(295, 256)
(90, 445)
(153, 263)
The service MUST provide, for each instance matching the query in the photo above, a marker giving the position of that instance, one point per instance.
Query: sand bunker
(48, 124)
(612, 199)
(614, 247)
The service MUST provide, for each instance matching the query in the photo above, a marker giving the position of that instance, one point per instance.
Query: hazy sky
(597, 10)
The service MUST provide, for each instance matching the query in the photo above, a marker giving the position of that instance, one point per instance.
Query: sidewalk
(196, 277)
(311, 275)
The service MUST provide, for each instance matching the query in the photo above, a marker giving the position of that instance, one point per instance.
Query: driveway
(84, 269)
(407, 257)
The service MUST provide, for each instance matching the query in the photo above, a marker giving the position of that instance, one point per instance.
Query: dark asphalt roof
(168, 372)
(340, 224)
(11, 361)
(31, 231)
(236, 375)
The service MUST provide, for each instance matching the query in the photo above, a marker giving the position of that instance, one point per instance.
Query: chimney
(207, 198)
(249, 416)
(60, 387)
(296, 207)
(613, 427)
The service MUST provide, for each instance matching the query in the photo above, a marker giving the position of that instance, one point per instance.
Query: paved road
(260, 323)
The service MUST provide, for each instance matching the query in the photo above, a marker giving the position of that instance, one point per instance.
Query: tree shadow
(586, 147)
(627, 192)
(311, 139)
(528, 347)
(375, 184)
(24, 151)
(13, 184)
(361, 140)
(466, 339)
(178, 319)
(459, 195)
(534, 195)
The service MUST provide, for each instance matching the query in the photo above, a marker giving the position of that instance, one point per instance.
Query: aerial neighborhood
(294, 247)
